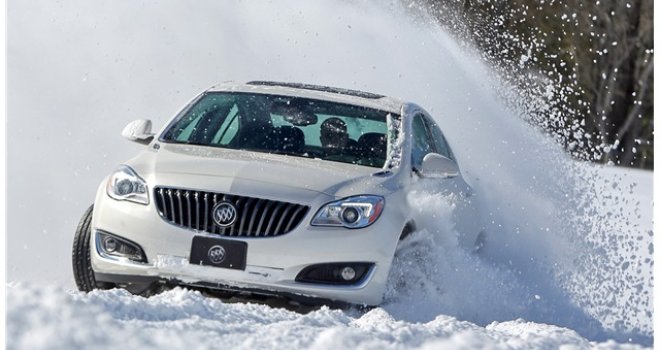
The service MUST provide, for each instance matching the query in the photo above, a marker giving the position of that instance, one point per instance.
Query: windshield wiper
(303, 155)
(193, 143)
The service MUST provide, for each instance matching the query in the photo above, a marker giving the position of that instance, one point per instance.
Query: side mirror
(436, 166)
(138, 131)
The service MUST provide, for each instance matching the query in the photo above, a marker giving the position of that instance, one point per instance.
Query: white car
(269, 188)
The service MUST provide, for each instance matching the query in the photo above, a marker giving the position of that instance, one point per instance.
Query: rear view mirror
(296, 115)
(138, 131)
(436, 166)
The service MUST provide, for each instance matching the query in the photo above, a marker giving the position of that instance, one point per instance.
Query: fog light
(350, 215)
(347, 273)
(344, 273)
(110, 244)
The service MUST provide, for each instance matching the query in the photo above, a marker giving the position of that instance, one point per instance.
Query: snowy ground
(53, 318)
(568, 244)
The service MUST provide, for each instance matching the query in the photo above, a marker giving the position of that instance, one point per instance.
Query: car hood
(332, 178)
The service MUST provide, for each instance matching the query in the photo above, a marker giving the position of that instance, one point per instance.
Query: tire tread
(81, 259)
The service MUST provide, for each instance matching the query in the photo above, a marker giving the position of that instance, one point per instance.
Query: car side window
(421, 142)
(439, 141)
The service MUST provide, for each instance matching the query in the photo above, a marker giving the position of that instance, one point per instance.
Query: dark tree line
(597, 53)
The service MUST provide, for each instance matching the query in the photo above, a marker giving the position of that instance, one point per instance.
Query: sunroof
(318, 88)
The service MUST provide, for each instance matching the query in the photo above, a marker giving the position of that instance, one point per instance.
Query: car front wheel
(82, 264)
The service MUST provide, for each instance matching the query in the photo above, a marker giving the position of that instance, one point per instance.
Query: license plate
(216, 252)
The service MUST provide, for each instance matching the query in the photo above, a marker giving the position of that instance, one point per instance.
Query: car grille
(255, 217)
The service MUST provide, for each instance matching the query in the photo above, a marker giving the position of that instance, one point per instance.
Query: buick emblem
(217, 254)
(224, 214)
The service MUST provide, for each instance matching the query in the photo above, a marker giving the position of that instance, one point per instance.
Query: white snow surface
(52, 318)
(568, 244)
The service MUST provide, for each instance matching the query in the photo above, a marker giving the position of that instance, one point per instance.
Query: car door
(428, 138)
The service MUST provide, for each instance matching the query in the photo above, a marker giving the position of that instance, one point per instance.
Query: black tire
(82, 264)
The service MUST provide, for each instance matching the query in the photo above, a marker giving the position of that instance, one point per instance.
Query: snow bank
(52, 318)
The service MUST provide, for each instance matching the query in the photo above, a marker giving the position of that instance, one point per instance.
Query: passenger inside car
(334, 135)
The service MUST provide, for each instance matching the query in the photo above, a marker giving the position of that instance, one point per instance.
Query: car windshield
(285, 125)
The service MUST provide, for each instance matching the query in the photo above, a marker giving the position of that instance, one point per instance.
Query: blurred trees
(592, 60)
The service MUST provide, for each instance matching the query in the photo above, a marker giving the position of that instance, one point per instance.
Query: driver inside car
(334, 136)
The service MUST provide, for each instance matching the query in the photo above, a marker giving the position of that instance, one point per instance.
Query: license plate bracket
(218, 252)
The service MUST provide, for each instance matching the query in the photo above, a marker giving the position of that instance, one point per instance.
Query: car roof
(326, 93)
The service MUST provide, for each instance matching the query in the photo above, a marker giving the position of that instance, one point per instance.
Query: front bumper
(272, 263)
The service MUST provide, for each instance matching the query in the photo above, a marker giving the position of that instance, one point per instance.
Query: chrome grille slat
(197, 209)
(246, 210)
(292, 222)
(172, 216)
(263, 217)
(282, 217)
(206, 211)
(189, 217)
(161, 201)
(178, 201)
(273, 216)
(256, 217)
(255, 210)
(213, 225)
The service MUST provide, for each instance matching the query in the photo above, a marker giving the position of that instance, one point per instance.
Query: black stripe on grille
(256, 217)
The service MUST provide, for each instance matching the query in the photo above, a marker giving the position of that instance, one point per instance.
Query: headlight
(126, 185)
(352, 212)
